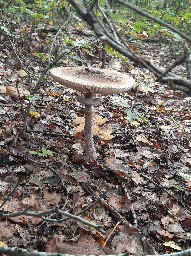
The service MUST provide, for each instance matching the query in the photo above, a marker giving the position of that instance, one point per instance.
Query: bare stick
(111, 233)
(51, 211)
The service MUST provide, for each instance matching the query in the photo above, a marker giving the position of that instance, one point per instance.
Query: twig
(113, 30)
(21, 103)
(111, 208)
(91, 6)
(110, 234)
(15, 50)
(55, 37)
(102, 33)
(176, 63)
(51, 211)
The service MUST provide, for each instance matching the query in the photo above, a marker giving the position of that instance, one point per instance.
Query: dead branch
(178, 62)
(41, 214)
(100, 30)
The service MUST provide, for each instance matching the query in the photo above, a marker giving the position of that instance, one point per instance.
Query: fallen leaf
(143, 139)
(7, 230)
(34, 114)
(4, 245)
(100, 240)
(12, 92)
(22, 73)
(137, 178)
(167, 220)
(115, 201)
(12, 205)
(172, 245)
(187, 224)
(165, 235)
(104, 133)
(135, 123)
(52, 197)
(85, 245)
(160, 110)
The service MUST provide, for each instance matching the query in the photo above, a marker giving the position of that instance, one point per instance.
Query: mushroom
(91, 81)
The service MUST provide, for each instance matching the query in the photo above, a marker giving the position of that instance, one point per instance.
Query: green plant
(42, 153)
(132, 113)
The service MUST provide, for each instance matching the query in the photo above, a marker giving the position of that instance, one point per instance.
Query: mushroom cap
(93, 80)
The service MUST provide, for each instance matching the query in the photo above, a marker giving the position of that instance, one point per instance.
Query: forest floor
(138, 189)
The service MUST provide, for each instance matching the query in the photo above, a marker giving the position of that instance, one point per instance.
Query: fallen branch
(100, 30)
(51, 211)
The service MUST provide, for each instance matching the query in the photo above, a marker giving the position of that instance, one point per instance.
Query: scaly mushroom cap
(93, 80)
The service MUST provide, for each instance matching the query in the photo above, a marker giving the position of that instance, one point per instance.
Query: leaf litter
(139, 188)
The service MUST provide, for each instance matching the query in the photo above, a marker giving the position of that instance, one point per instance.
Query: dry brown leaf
(22, 73)
(105, 132)
(132, 47)
(25, 220)
(187, 224)
(12, 92)
(99, 129)
(12, 205)
(165, 234)
(85, 245)
(100, 240)
(167, 220)
(143, 139)
(97, 120)
(127, 243)
(7, 230)
(117, 166)
(52, 197)
(79, 120)
(115, 201)
(137, 178)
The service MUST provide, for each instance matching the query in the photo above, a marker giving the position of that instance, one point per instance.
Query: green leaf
(109, 50)
(130, 115)
(34, 97)
(32, 152)
(21, 2)
(45, 152)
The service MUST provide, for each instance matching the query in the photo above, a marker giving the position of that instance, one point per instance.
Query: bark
(188, 61)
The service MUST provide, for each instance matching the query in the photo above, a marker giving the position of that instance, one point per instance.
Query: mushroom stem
(89, 148)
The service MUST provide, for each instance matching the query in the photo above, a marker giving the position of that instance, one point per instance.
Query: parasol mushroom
(91, 81)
